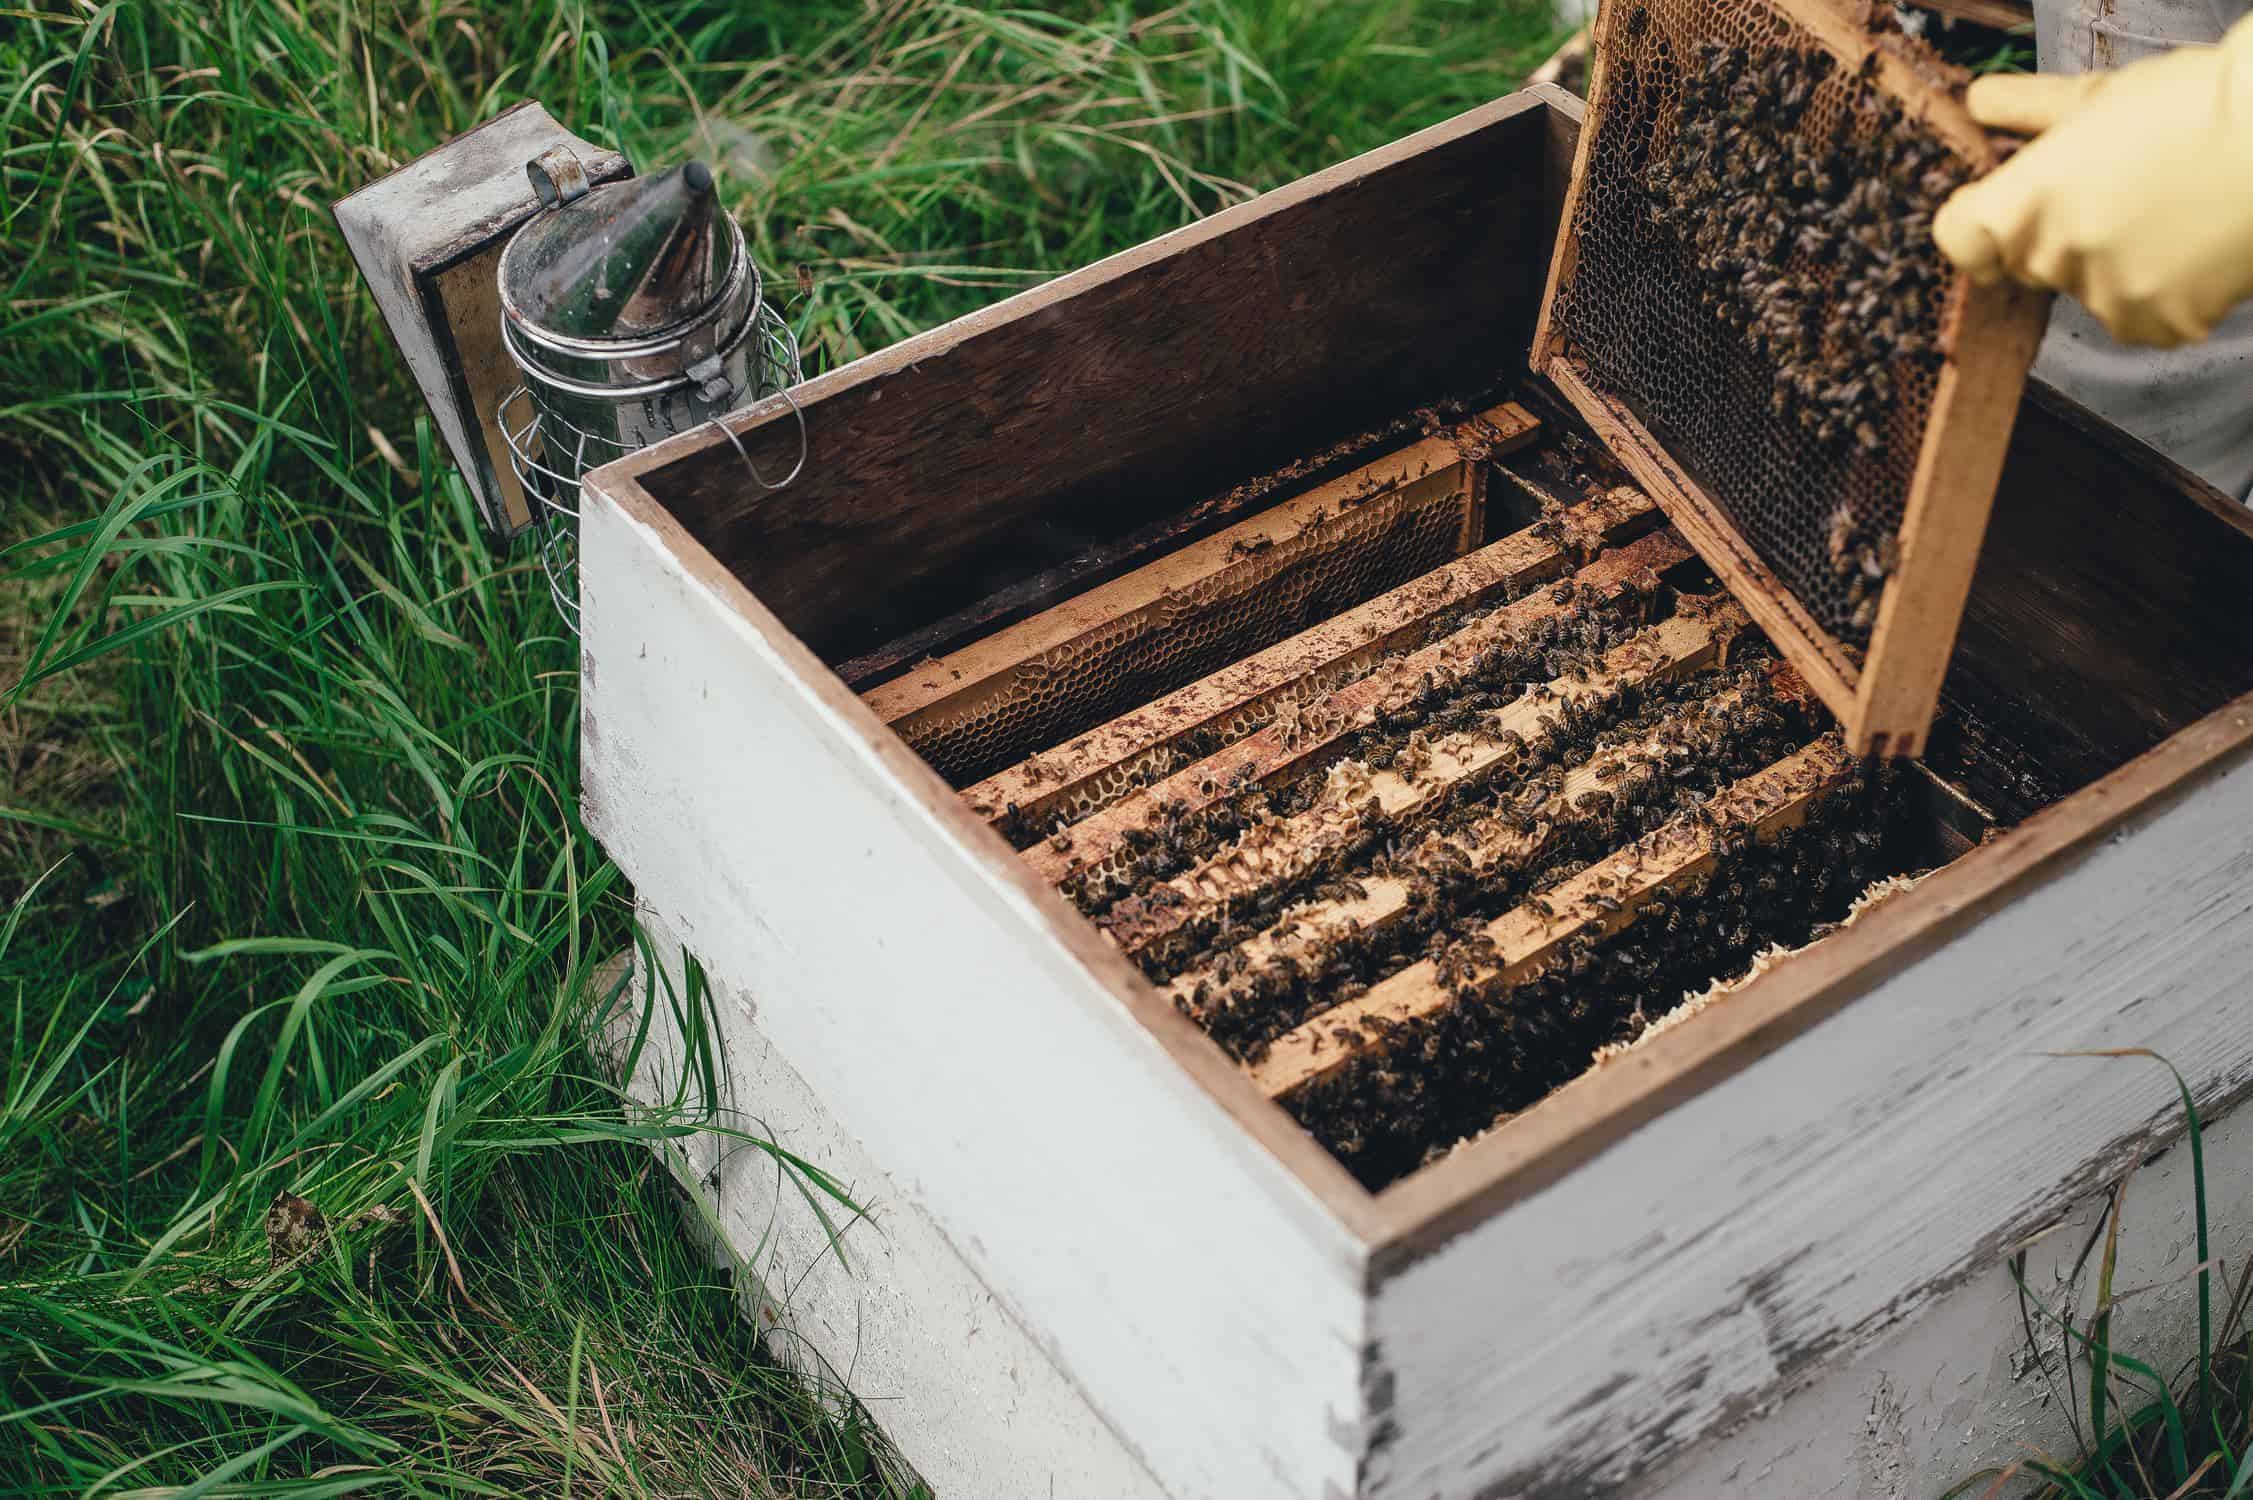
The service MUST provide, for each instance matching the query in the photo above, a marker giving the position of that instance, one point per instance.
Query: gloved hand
(2136, 194)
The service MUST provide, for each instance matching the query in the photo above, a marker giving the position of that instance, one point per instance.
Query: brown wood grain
(2112, 606)
(1100, 562)
(1277, 751)
(1108, 763)
(1973, 411)
(1016, 437)
(1706, 526)
(1548, 343)
(1272, 855)
(976, 669)
(1383, 899)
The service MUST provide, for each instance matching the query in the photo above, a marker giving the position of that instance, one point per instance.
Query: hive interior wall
(1023, 435)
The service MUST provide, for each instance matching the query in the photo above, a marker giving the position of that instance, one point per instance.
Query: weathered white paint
(882, 1304)
(1957, 1392)
(1197, 1291)
(1831, 1191)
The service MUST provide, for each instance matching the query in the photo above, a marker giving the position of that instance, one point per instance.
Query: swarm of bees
(1263, 902)
(1666, 749)
(1757, 277)
(1708, 729)
(1815, 245)
(1435, 1080)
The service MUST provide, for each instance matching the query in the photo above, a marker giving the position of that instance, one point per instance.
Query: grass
(295, 904)
(2139, 1433)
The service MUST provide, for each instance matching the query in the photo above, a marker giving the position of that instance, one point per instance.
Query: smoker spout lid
(622, 262)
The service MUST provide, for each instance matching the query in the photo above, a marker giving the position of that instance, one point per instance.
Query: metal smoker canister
(634, 312)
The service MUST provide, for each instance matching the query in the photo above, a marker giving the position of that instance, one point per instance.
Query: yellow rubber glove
(2136, 194)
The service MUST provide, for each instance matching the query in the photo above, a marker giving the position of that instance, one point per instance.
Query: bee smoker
(632, 311)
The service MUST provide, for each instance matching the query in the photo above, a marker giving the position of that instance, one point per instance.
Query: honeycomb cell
(1328, 567)
(1756, 280)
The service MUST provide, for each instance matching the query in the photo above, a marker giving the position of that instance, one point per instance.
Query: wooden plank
(2107, 612)
(1548, 342)
(1995, 15)
(1487, 846)
(1289, 849)
(1995, 333)
(1600, 900)
(1928, 87)
(1207, 563)
(1104, 559)
(976, 454)
(1111, 761)
(1179, 618)
(1279, 750)
(972, 670)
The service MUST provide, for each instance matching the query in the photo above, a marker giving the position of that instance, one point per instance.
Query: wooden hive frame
(1458, 762)
(1016, 686)
(1602, 899)
(1886, 700)
(1322, 720)
(1325, 712)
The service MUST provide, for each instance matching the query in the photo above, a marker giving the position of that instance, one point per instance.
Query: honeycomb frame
(1885, 694)
(1072, 667)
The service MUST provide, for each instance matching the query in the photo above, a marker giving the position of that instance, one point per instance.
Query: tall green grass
(295, 902)
(2139, 1432)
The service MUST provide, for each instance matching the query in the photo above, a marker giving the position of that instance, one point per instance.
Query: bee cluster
(1755, 278)
(1431, 1082)
(1187, 834)
(1556, 646)
(1814, 244)
(1703, 732)
(1253, 968)
(1292, 868)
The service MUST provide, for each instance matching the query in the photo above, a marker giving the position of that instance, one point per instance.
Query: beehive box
(1762, 1249)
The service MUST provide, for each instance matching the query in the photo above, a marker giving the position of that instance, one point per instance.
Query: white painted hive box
(1102, 1261)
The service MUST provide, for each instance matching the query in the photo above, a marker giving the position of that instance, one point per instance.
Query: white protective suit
(2194, 404)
